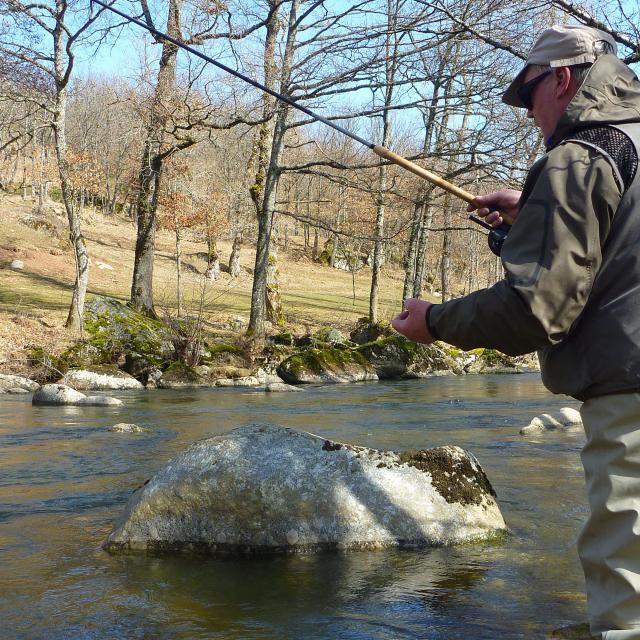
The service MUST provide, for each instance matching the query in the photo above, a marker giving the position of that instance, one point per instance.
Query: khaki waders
(609, 544)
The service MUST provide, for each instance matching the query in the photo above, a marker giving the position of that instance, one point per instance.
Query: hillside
(34, 300)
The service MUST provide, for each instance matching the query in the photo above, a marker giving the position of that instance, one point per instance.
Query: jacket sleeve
(550, 257)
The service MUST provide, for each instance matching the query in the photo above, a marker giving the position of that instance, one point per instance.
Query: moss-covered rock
(332, 364)
(224, 355)
(396, 357)
(493, 361)
(329, 335)
(120, 332)
(366, 331)
(179, 376)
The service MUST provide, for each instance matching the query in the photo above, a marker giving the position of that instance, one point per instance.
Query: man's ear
(562, 76)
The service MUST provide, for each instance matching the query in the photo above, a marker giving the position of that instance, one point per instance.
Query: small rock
(248, 381)
(578, 631)
(281, 386)
(238, 323)
(57, 394)
(60, 394)
(123, 427)
(267, 377)
(17, 265)
(565, 418)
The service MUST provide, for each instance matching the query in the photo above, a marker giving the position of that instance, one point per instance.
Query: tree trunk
(445, 262)
(213, 260)
(178, 266)
(421, 253)
(391, 46)
(76, 310)
(265, 205)
(275, 312)
(151, 169)
(234, 258)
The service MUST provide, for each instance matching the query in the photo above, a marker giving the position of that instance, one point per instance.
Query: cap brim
(510, 96)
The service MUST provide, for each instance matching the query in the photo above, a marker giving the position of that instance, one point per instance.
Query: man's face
(545, 107)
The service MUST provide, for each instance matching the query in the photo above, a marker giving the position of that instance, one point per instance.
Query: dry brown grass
(34, 301)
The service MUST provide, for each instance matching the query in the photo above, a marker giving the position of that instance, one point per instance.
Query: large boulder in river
(331, 364)
(266, 488)
(99, 379)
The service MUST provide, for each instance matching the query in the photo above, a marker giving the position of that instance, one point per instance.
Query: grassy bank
(34, 301)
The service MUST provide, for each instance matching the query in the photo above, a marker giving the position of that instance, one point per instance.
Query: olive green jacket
(572, 257)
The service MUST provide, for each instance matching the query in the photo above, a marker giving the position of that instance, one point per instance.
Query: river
(64, 477)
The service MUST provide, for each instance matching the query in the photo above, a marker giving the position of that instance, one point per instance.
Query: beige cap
(560, 46)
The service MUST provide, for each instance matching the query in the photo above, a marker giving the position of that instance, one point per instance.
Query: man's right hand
(493, 204)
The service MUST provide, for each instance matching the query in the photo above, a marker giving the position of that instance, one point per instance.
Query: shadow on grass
(40, 291)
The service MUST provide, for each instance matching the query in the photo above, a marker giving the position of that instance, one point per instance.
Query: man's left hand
(412, 322)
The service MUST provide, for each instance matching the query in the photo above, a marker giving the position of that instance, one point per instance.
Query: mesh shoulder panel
(614, 143)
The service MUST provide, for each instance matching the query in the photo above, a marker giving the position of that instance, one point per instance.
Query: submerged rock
(101, 401)
(100, 379)
(123, 427)
(60, 394)
(281, 386)
(565, 418)
(266, 488)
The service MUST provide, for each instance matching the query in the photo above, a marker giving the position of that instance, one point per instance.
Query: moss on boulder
(396, 357)
(366, 331)
(493, 361)
(332, 364)
(178, 376)
(121, 333)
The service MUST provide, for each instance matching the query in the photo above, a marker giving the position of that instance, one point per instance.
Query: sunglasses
(525, 91)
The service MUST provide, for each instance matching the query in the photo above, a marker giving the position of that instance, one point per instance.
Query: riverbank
(36, 293)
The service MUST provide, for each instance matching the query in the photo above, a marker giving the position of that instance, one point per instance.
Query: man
(572, 290)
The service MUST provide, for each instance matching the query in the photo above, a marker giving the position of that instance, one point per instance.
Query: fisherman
(572, 290)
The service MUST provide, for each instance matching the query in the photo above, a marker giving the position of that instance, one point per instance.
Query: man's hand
(412, 322)
(505, 201)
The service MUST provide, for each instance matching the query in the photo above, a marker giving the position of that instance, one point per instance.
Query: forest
(171, 142)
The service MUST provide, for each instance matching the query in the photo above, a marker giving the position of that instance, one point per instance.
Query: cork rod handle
(387, 154)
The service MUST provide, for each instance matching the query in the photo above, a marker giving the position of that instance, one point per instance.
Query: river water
(64, 477)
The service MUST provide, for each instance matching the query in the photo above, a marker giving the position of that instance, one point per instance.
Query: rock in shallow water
(9, 381)
(565, 418)
(266, 488)
(124, 427)
(60, 394)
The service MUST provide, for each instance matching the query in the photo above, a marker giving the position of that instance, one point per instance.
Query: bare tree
(63, 29)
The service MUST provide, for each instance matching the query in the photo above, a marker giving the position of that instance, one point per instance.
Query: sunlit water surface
(64, 478)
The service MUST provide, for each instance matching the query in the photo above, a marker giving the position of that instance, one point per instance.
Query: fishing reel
(496, 235)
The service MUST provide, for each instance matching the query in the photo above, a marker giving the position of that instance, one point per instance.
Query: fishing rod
(496, 234)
